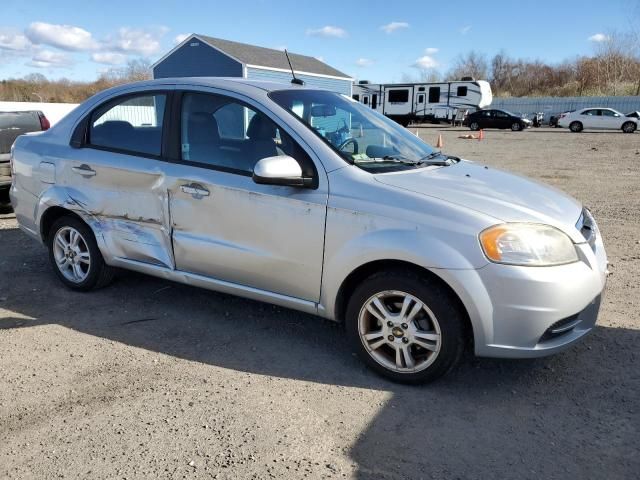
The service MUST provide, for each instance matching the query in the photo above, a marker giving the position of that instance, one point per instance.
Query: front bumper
(524, 312)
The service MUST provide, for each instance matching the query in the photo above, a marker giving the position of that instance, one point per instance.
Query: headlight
(527, 244)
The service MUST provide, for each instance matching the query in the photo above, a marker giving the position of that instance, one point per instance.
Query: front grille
(561, 327)
(588, 228)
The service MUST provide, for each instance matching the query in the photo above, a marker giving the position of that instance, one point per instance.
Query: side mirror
(280, 170)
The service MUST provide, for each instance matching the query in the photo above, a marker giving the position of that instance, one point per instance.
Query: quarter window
(133, 124)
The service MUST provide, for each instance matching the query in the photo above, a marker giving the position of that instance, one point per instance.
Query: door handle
(197, 191)
(84, 170)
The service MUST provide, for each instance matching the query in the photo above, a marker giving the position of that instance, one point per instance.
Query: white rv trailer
(421, 102)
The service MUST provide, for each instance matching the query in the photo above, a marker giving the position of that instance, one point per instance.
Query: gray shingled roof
(269, 57)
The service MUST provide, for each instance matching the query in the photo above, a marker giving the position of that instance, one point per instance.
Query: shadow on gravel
(572, 415)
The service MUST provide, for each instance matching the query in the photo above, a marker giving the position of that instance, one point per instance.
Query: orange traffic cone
(439, 143)
(481, 136)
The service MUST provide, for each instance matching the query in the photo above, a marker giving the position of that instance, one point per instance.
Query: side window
(589, 112)
(374, 101)
(223, 132)
(500, 114)
(132, 124)
(356, 97)
(421, 98)
(462, 91)
(434, 94)
(398, 96)
(365, 100)
(607, 113)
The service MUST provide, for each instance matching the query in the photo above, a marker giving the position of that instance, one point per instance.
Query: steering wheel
(347, 142)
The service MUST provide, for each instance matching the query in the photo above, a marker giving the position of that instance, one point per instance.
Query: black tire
(516, 127)
(99, 274)
(445, 308)
(575, 127)
(5, 201)
(628, 127)
(475, 126)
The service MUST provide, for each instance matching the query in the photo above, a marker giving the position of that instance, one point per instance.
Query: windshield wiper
(388, 158)
(427, 160)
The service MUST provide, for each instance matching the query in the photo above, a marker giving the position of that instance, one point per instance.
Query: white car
(598, 118)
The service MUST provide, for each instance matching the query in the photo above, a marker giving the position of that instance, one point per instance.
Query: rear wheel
(629, 127)
(515, 126)
(75, 256)
(405, 327)
(575, 127)
(474, 126)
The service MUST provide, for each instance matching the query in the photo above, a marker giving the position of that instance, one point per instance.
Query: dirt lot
(149, 379)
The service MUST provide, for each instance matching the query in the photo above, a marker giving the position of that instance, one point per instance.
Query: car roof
(232, 83)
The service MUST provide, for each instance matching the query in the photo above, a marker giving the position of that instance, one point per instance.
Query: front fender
(357, 240)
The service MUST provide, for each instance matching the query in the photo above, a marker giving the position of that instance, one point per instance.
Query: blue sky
(376, 40)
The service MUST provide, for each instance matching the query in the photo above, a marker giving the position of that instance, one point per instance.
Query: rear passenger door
(226, 226)
(501, 119)
(590, 118)
(115, 177)
(487, 119)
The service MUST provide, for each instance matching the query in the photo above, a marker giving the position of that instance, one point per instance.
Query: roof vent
(363, 82)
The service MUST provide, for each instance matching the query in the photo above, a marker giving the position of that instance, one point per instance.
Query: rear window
(132, 124)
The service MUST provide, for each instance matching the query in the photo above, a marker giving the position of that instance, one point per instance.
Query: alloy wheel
(71, 254)
(399, 331)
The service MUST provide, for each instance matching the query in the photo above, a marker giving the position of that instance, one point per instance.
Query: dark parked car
(496, 119)
(633, 115)
(13, 124)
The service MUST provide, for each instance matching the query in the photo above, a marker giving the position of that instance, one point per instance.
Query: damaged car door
(226, 226)
(116, 180)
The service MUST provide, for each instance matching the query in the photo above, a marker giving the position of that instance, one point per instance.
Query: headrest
(261, 128)
(202, 127)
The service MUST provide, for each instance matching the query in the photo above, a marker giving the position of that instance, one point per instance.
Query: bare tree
(426, 75)
(473, 64)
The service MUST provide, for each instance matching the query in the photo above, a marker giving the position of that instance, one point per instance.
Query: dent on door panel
(130, 212)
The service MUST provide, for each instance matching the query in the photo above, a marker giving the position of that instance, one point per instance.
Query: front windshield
(360, 135)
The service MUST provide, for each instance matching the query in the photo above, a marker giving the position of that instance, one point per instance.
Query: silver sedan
(309, 200)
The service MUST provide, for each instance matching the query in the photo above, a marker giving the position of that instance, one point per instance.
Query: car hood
(505, 196)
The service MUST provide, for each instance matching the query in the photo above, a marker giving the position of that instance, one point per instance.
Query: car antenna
(295, 81)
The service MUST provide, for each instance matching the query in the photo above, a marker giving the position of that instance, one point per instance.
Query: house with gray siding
(204, 56)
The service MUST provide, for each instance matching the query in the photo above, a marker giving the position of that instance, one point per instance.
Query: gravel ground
(150, 379)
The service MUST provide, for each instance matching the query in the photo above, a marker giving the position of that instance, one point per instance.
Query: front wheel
(75, 256)
(629, 127)
(474, 126)
(515, 126)
(405, 327)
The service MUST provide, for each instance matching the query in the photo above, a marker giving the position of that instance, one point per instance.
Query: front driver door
(226, 226)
